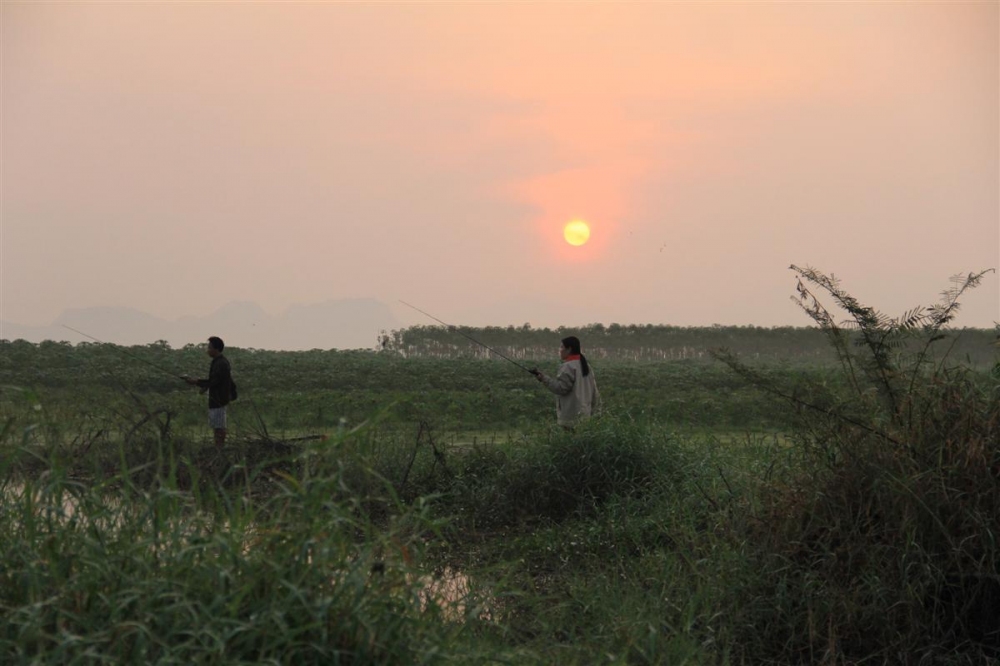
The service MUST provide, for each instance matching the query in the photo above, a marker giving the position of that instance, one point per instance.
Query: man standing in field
(577, 398)
(219, 386)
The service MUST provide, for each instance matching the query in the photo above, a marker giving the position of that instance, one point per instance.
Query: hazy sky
(173, 157)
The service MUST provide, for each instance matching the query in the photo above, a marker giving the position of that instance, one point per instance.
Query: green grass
(740, 531)
(118, 572)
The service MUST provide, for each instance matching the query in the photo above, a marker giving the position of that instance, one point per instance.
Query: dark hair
(216, 343)
(572, 343)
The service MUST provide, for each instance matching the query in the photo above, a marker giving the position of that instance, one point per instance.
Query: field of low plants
(835, 505)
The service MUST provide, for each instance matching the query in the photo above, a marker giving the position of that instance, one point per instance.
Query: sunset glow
(576, 232)
(338, 151)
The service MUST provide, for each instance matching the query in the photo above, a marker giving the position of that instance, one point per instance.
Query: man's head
(215, 346)
(570, 346)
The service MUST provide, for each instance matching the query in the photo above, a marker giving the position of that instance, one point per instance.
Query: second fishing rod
(530, 371)
(125, 352)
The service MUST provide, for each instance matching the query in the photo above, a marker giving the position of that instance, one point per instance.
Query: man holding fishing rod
(220, 388)
(577, 398)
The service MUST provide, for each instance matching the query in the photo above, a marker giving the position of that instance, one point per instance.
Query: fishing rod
(130, 355)
(469, 337)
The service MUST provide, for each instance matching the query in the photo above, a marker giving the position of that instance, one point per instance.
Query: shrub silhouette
(880, 544)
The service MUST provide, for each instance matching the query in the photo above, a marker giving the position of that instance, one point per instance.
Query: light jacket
(577, 398)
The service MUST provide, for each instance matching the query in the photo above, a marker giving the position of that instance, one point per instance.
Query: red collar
(572, 357)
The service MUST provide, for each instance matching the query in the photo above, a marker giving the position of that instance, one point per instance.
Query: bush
(557, 473)
(882, 545)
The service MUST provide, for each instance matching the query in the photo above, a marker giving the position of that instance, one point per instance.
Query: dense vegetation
(784, 344)
(315, 389)
(747, 509)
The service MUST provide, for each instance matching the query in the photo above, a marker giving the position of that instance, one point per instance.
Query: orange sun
(576, 232)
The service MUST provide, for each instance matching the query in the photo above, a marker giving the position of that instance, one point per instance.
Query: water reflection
(448, 591)
(451, 591)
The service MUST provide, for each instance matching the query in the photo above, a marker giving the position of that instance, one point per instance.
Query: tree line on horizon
(615, 342)
(651, 342)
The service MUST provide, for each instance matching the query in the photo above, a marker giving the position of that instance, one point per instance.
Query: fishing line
(130, 355)
(469, 337)
(149, 363)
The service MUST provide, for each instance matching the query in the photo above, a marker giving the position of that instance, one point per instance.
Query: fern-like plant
(881, 356)
(881, 336)
(881, 539)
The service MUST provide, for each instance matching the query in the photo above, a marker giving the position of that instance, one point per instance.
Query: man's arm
(216, 377)
(562, 384)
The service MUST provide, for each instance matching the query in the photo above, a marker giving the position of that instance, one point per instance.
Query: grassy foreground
(363, 548)
(859, 527)
(615, 543)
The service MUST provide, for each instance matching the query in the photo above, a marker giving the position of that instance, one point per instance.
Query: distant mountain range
(334, 324)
